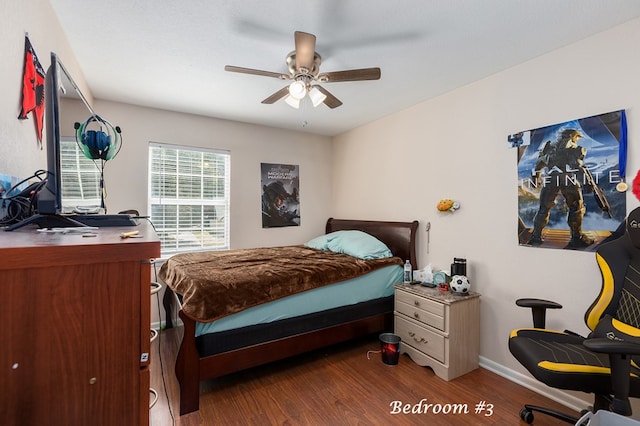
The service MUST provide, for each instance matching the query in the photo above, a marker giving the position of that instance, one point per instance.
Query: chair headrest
(633, 227)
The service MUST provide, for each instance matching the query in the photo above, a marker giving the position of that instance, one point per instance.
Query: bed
(215, 344)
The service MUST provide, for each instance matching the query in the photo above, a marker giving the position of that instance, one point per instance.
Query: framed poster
(567, 179)
(280, 195)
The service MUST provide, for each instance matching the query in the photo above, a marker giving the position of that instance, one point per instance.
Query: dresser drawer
(425, 341)
(420, 309)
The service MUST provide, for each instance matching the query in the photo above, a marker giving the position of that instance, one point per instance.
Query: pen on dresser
(131, 234)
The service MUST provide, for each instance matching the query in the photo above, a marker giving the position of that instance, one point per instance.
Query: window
(80, 177)
(189, 197)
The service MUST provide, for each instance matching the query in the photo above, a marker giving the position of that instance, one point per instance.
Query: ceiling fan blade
(305, 50)
(277, 96)
(330, 101)
(242, 70)
(350, 75)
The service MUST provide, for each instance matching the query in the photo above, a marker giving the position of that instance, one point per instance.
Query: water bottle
(408, 272)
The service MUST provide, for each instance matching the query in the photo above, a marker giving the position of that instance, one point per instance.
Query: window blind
(189, 197)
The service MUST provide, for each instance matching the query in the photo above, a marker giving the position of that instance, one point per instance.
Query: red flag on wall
(32, 88)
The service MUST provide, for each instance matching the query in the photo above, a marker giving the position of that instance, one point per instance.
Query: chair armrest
(538, 309)
(620, 363)
(607, 346)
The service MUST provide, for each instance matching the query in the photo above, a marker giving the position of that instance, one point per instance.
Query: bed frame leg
(188, 368)
(167, 303)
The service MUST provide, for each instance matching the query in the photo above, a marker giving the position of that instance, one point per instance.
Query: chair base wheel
(526, 415)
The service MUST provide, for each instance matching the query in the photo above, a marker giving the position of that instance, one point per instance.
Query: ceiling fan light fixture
(297, 89)
(292, 102)
(316, 96)
(304, 72)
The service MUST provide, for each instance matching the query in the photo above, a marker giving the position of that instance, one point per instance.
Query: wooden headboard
(400, 237)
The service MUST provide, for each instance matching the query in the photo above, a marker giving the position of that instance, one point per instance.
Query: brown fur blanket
(214, 284)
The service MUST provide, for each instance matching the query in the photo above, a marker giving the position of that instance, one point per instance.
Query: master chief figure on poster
(276, 206)
(564, 160)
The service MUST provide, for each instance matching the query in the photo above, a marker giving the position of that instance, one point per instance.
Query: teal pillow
(358, 244)
(320, 243)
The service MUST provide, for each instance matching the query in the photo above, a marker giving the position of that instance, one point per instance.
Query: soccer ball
(460, 284)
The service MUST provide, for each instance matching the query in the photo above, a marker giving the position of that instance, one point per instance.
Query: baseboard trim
(529, 382)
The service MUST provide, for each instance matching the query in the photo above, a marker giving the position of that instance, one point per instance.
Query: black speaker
(459, 266)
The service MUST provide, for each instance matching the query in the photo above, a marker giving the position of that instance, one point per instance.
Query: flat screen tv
(58, 84)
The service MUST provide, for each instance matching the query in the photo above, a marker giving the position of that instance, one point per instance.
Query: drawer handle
(416, 315)
(416, 302)
(421, 340)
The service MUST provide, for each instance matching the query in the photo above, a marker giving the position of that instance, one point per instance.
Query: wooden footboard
(191, 369)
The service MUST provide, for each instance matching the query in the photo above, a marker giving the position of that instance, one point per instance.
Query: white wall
(454, 146)
(20, 154)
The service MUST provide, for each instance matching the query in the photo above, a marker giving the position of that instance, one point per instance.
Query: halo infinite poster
(280, 195)
(570, 190)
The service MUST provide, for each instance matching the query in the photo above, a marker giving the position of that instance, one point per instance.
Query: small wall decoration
(635, 186)
(570, 194)
(32, 88)
(280, 195)
(447, 205)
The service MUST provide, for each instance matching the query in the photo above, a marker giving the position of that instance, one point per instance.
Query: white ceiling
(171, 54)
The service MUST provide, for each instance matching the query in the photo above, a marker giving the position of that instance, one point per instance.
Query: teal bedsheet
(374, 285)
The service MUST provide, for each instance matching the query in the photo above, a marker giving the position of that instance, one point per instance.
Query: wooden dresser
(75, 327)
(438, 329)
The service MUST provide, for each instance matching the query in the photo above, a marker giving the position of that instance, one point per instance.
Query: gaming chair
(606, 363)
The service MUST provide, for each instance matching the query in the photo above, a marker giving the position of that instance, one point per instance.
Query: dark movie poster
(570, 190)
(280, 195)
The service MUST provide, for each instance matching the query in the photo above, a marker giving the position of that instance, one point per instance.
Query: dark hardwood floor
(340, 386)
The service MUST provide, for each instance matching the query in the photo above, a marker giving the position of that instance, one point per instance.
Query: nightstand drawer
(421, 309)
(420, 302)
(421, 315)
(425, 341)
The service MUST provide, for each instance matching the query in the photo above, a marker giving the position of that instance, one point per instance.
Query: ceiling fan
(304, 71)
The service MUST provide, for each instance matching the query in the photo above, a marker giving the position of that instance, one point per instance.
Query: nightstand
(438, 329)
